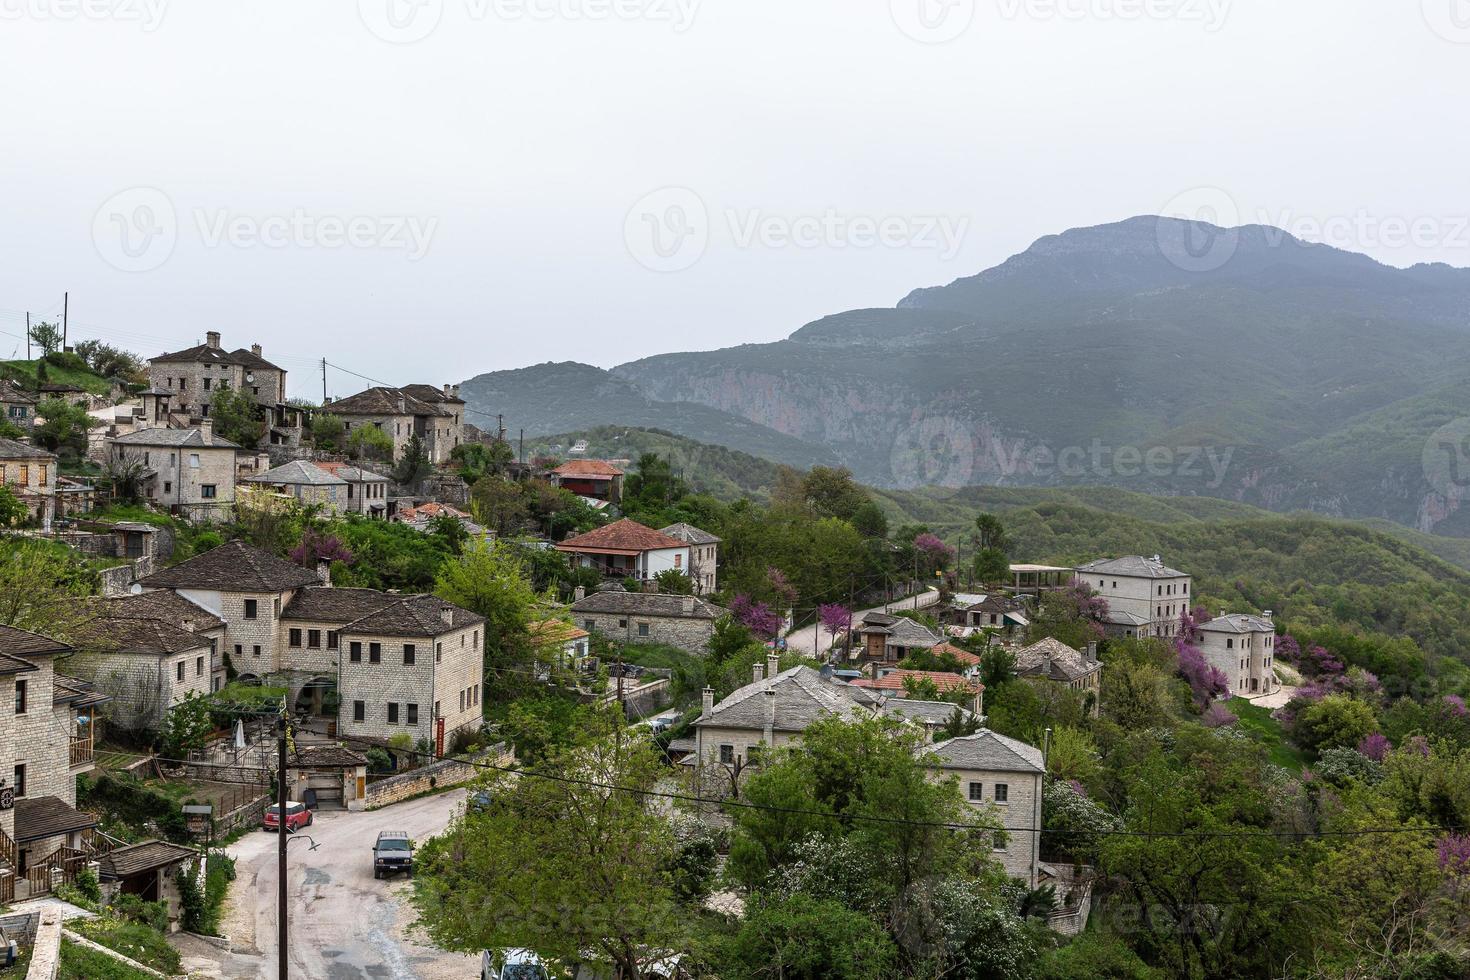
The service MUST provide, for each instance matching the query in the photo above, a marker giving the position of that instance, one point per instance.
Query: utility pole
(324, 382)
(28, 335)
(65, 309)
(282, 955)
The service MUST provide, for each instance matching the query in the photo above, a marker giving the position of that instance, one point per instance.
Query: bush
(67, 361)
(127, 801)
(135, 940)
(379, 760)
(131, 908)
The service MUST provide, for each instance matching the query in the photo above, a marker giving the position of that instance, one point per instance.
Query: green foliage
(1336, 721)
(9, 430)
(672, 581)
(47, 336)
(237, 417)
(370, 443)
(65, 426)
(12, 511)
(135, 940)
(81, 963)
(328, 432)
(413, 463)
(491, 581)
(193, 907)
(111, 362)
(187, 726)
(539, 727)
(804, 938)
(126, 800)
(379, 760)
(40, 583)
(389, 555)
(1095, 956)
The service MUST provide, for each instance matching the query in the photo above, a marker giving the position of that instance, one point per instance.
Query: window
(255, 650)
(252, 609)
(239, 650)
(331, 639)
(179, 669)
(198, 666)
(727, 754)
(477, 638)
(207, 383)
(207, 491)
(42, 478)
(409, 654)
(20, 697)
(19, 782)
(622, 624)
(678, 561)
(314, 639)
(354, 652)
(392, 712)
(438, 653)
(193, 461)
(1229, 643)
(461, 700)
(359, 711)
(999, 842)
(642, 629)
(25, 473)
(168, 486)
(436, 709)
(295, 637)
(413, 714)
(753, 755)
(977, 792)
(1002, 793)
(375, 653)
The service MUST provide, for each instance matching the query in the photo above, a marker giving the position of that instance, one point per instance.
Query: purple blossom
(1190, 621)
(1318, 661)
(933, 548)
(1453, 851)
(1456, 705)
(1288, 649)
(781, 586)
(835, 617)
(316, 547)
(1375, 746)
(1205, 681)
(1218, 716)
(756, 616)
(1077, 787)
(1417, 744)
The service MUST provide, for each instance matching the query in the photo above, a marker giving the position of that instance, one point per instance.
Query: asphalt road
(344, 924)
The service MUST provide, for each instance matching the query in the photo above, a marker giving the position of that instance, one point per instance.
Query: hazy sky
(422, 190)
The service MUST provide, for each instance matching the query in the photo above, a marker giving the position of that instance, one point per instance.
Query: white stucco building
(1145, 597)
(1244, 647)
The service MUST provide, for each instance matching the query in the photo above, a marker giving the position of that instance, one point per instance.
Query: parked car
(392, 853)
(478, 801)
(512, 964)
(297, 816)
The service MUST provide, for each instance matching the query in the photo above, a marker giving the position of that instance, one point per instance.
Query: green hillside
(25, 372)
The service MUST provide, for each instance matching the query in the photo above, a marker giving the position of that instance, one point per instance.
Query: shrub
(136, 940)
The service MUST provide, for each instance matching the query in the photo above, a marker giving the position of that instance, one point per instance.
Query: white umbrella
(239, 733)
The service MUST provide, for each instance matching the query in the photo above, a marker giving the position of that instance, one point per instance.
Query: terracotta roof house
(684, 621)
(704, 555)
(893, 683)
(191, 378)
(595, 479)
(1052, 660)
(559, 641)
(1003, 777)
(627, 549)
(435, 416)
(421, 518)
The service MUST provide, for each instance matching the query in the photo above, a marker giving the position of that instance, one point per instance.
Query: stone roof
(15, 665)
(205, 354)
(383, 401)
(40, 817)
(183, 438)
(1238, 623)
(135, 859)
(646, 604)
(432, 395)
(588, 468)
(15, 449)
(352, 474)
(12, 393)
(924, 712)
(148, 637)
(233, 567)
(414, 615)
(1133, 566)
(298, 472)
(1053, 659)
(802, 695)
(333, 605)
(689, 534)
(1119, 617)
(22, 644)
(624, 536)
(328, 757)
(170, 607)
(901, 631)
(987, 750)
(76, 692)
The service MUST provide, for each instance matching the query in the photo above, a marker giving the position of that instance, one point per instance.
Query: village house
(367, 492)
(422, 517)
(627, 549)
(190, 472)
(683, 621)
(147, 653)
(888, 639)
(435, 416)
(47, 739)
(1003, 777)
(1244, 648)
(704, 555)
(1052, 660)
(1145, 597)
(194, 376)
(17, 405)
(307, 484)
(29, 472)
(595, 480)
(559, 643)
(973, 611)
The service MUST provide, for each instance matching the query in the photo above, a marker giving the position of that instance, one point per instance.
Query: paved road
(814, 640)
(344, 924)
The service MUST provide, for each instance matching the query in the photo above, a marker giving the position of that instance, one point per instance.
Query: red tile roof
(893, 681)
(962, 655)
(588, 468)
(621, 536)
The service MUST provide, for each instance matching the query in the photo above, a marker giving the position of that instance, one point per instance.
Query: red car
(297, 816)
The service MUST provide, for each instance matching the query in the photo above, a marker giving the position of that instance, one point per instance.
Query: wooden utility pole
(65, 309)
(324, 382)
(28, 335)
(282, 950)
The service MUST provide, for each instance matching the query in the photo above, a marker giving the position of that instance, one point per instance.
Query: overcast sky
(423, 190)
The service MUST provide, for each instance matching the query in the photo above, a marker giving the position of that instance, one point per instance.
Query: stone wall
(436, 775)
(690, 635)
(249, 815)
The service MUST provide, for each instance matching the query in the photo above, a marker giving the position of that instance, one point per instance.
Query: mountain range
(1155, 355)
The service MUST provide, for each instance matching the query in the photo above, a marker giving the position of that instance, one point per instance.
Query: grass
(19, 967)
(81, 963)
(134, 940)
(1258, 722)
(26, 370)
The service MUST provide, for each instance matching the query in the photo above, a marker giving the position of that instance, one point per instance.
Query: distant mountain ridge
(1121, 354)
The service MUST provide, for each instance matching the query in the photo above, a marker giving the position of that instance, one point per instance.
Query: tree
(368, 442)
(991, 566)
(990, 534)
(673, 581)
(237, 417)
(499, 504)
(40, 585)
(560, 865)
(187, 726)
(47, 336)
(328, 432)
(832, 492)
(836, 619)
(413, 464)
(65, 427)
(12, 511)
(805, 938)
(126, 476)
(1073, 615)
(490, 580)
(112, 362)
(1337, 721)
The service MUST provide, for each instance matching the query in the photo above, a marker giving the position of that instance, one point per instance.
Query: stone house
(1244, 648)
(194, 376)
(1052, 660)
(704, 555)
(1002, 776)
(1143, 594)
(987, 612)
(47, 738)
(336, 775)
(682, 621)
(627, 549)
(30, 473)
(147, 653)
(594, 479)
(435, 416)
(561, 643)
(147, 870)
(308, 484)
(17, 405)
(189, 471)
(367, 492)
(888, 639)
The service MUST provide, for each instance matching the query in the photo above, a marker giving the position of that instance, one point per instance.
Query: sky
(425, 190)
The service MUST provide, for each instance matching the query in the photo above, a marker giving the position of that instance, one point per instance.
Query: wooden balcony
(81, 750)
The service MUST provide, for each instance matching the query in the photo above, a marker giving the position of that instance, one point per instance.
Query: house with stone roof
(307, 483)
(976, 611)
(704, 555)
(888, 639)
(683, 621)
(435, 415)
(1002, 777)
(594, 479)
(1052, 660)
(367, 492)
(627, 549)
(30, 473)
(189, 471)
(1145, 597)
(47, 739)
(192, 378)
(1243, 647)
(17, 404)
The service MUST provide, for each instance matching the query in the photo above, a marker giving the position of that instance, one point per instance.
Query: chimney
(1222, 615)
(188, 625)
(206, 429)
(687, 604)
(446, 391)
(579, 593)
(1266, 615)
(324, 571)
(211, 339)
(1092, 652)
(770, 713)
(757, 674)
(977, 703)
(446, 613)
(1158, 560)
(773, 664)
(455, 390)
(708, 704)
(402, 405)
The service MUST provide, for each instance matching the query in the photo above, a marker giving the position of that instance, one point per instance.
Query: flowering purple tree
(1453, 852)
(1218, 716)
(1375, 746)
(1318, 661)
(781, 587)
(1455, 706)
(1190, 621)
(756, 617)
(935, 552)
(1288, 649)
(317, 546)
(835, 618)
(1205, 681)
